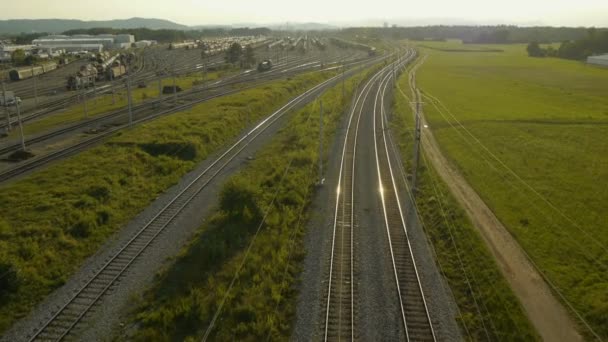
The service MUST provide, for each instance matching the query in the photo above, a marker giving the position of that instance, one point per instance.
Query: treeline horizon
(594, 43)
(498, 34)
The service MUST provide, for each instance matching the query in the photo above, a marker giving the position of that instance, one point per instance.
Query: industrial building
(598, 60)
(7, 50)
(86, 42)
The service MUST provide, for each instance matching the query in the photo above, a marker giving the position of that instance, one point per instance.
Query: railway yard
(294, 192)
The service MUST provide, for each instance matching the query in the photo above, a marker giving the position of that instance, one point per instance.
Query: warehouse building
(6, 51)
(598, 60)
(86, 42)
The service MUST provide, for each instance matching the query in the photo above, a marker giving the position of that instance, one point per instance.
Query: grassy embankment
(261, 304)
(52, 220)
(488, 309)
(533, 144)
(106, 103)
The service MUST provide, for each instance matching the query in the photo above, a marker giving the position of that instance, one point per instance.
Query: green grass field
(51, 220)
(488, 309)
(534, 144)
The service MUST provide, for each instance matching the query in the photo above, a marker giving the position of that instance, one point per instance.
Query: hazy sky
(199, 12)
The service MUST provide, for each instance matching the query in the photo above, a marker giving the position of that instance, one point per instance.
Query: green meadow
(531, 136)
(487, 308)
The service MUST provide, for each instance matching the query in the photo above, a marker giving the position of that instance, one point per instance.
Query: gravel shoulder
(546, 313)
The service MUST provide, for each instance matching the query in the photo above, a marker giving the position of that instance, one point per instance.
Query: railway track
(192, 96)
(91, 141)
(67, 319)
(157, 64)
(340, 315)
(340, 321)
(414, 310)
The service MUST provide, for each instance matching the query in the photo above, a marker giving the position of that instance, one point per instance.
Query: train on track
(23, 73)
(105, 67)
(84, 78)
(265, 65)
(341, 43)
(184, 45)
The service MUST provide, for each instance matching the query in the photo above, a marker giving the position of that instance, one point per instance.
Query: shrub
(9, 279)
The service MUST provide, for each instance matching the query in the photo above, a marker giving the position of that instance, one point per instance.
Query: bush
(9, 280)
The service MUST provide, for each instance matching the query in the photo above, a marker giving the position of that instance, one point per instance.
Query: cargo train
(19, 74)
(265, 65)
(84, 78)
(185, 45)
(104, 67)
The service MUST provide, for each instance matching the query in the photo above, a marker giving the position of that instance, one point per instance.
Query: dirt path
(546, 313)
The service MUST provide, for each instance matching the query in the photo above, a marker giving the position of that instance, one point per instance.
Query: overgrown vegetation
(261, 304)
(51, 220)
(488, 309)
(530, 136)
(594, 43)
(107, 103)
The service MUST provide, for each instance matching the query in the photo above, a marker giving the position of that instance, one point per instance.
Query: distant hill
(273, 26)
(15, 26)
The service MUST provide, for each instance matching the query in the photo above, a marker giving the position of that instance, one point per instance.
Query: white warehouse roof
(598, 60)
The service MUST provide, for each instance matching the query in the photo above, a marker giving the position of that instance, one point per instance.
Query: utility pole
(20, 125)
(394, 63)
(174, 87)
(416, 144)
(160, 88)
(36, 90)
(129, 99)
(321, 179)
(174, 91)
(112, 86)
(8, 115)
(343, 89)
(248, 116)
(94, 91)
(84, 99)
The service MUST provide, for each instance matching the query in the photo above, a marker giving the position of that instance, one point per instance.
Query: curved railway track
(183, 96)
(67, 318)
(414, 310)
(340, 319)
(153, 64)
(340, 315)
(140, 114)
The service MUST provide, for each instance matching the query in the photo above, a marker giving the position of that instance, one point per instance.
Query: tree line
(500, 34)
(595, 42)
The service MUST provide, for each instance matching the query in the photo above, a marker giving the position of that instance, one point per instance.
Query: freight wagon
(104, 66)
(28, 72)
(187, 46)
(116, 71)
(83, 79)
(265, 65)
